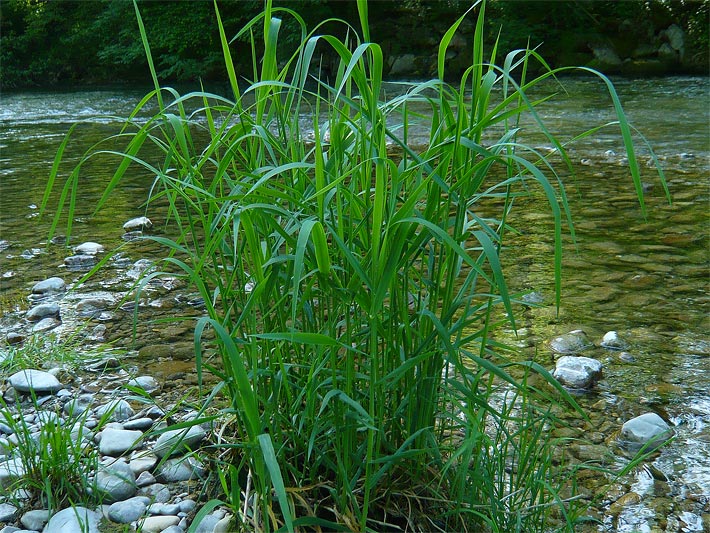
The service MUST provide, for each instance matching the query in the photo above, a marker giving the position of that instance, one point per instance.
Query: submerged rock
(571, 343)
(577, 372)
(49, 285)
(612, 341)
(80, 261)
(41, 311)
(647, 430)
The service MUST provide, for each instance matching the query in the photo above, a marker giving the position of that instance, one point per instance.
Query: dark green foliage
(46, 43)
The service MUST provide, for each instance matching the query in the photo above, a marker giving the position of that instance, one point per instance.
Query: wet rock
(38, 312)
(139, 268)
(37, 381)
(90, 307)
(98, 334)
(116, 481)
(36, 519)
(49, 285)
(79, 262)
(630, 498)
(138, 224)
(74, 520)
(571, 343)
(178, 441)
(15, 338)
(115, 442)
(612, 341)
(647, 431)
(147, 383)
(46, 324)
(129, 510)
(88, 248)
(577, 372)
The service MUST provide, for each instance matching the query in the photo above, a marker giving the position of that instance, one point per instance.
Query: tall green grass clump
(352, 281)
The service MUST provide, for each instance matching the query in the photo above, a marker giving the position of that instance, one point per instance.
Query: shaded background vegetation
(69, 42)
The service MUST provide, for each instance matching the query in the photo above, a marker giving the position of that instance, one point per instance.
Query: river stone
(120, 410)
(91, 307)
(571, 343)
(117, 482)
(46, 324)
(577, 372)
(142, 424)
(34, 380)
(147, 383)
(115, 442)
(38, 312)
(74, 520)
(157, 492)
(78, 405)
(156, 524)
(10, 471)
(612, 341)
(7, 512)
(180, 469)
(13, 338)
(163, 509)
(178, 441)
(129, 510)
(89, 248)
(144, 479)
(36, 519)
(648, 430)
(49, 285)
(80, 261)
(138, 224)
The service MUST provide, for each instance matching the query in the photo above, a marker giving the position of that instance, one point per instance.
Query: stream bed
(646, 278)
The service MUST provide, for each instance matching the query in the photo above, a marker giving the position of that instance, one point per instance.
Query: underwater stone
(80, 261)
(41, 311)
(612, 341)
(570, 343)
(49, 285)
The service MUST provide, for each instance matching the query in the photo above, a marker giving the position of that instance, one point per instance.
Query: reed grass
(351, 281)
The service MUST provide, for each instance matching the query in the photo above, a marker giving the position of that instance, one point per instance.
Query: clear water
(646, 278)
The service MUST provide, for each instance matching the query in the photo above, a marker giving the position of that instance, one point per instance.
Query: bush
(351, 282)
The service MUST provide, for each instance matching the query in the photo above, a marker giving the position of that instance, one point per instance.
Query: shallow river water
(646, 278)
